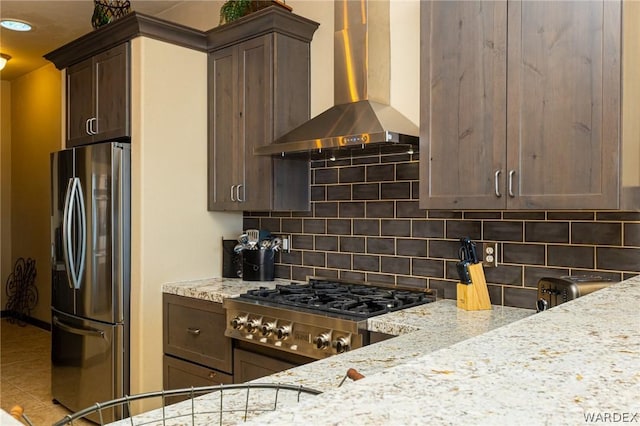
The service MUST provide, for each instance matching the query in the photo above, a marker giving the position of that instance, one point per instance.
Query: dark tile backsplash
(365, 224)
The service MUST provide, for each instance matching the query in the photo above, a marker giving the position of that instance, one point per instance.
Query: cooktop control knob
(342, 344)
(283, 331)
(268, 328)
(254, 324)
(323, 340)
(239, 322)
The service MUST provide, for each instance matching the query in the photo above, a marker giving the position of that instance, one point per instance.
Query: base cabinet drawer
(250, 366)
(179, 374)
(194, 330)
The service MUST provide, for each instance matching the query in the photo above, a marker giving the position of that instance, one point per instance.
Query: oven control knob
(342, 344)
(239, 322)
(268, 328)
(253, 324)
(322, 341)
(283, 332)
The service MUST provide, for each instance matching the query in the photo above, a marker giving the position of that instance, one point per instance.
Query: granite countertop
(572, 364)
(503, 366)
(420, 330)
(217, 289)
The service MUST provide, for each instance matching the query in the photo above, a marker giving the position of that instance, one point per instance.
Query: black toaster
(553, 291)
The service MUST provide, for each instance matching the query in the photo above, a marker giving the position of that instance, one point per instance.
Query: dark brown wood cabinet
(249, 366)
(180, 374)
(258, 90)
(520, 105)
(98, 97)
(196, 351)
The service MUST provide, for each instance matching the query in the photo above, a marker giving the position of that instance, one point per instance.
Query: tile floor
(25, 372)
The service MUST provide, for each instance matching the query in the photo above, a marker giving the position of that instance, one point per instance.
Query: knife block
(474, 296)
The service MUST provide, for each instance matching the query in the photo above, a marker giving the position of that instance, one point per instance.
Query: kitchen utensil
(276, 243)
(265, 244)
(463, 271)
(468, 256)
(243, 238)
(253, 236)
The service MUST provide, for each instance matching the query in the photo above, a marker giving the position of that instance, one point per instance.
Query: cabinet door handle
(193, 331)
(511, 174)
(233, 193)
(240, 200)
(497, 183)
(212, 375)
(89, 126)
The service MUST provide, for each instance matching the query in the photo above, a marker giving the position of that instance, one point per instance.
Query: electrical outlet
(490, 255)
(286, 243)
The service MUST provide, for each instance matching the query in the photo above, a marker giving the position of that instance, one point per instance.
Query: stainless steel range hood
(362, 116)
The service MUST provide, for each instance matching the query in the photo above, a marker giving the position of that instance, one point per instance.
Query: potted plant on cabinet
(232, 10)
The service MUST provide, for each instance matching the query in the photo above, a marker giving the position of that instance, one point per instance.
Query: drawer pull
(212, 375)
(194, 331)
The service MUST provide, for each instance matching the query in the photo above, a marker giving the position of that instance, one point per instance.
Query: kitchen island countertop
(576, 363)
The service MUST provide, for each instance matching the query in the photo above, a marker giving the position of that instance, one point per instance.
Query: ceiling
(55, 23)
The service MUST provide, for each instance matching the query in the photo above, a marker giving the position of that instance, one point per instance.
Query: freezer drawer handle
(194, 331)
(81, 331)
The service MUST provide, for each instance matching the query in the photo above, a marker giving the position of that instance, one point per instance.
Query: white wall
(405, 57)
(35, 133)
(206, 15)
(320, 11)
(5, 186)
(174, 237)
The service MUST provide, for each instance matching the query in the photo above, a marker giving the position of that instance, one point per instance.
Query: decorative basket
(106, 11)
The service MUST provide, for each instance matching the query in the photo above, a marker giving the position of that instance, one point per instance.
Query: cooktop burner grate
(340, 298)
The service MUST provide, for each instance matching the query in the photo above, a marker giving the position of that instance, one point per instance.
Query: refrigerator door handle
(80, 331)
(82, 213)
(74, 232)
(66, 232)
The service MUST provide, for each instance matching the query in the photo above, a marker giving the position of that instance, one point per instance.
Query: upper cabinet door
(463, 104)
(256, 124)
(564, 104)
(98, 98)
(80, 102)
(225, 153)
(112, 92)
(524, 118)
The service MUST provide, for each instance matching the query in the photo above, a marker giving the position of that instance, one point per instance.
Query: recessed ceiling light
(12, 24)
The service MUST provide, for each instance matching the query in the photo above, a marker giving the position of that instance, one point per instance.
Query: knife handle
(473, 253)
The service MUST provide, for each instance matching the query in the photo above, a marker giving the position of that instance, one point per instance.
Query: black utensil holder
(258, 265)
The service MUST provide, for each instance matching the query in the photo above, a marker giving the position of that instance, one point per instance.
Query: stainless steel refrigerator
(90, 261)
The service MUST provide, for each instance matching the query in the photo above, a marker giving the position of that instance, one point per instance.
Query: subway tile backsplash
(365, 224)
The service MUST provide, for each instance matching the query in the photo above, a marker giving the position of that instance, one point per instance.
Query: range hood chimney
(362, 116)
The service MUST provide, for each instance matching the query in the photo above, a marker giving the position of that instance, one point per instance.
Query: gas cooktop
(339, 298)
(320, 318)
